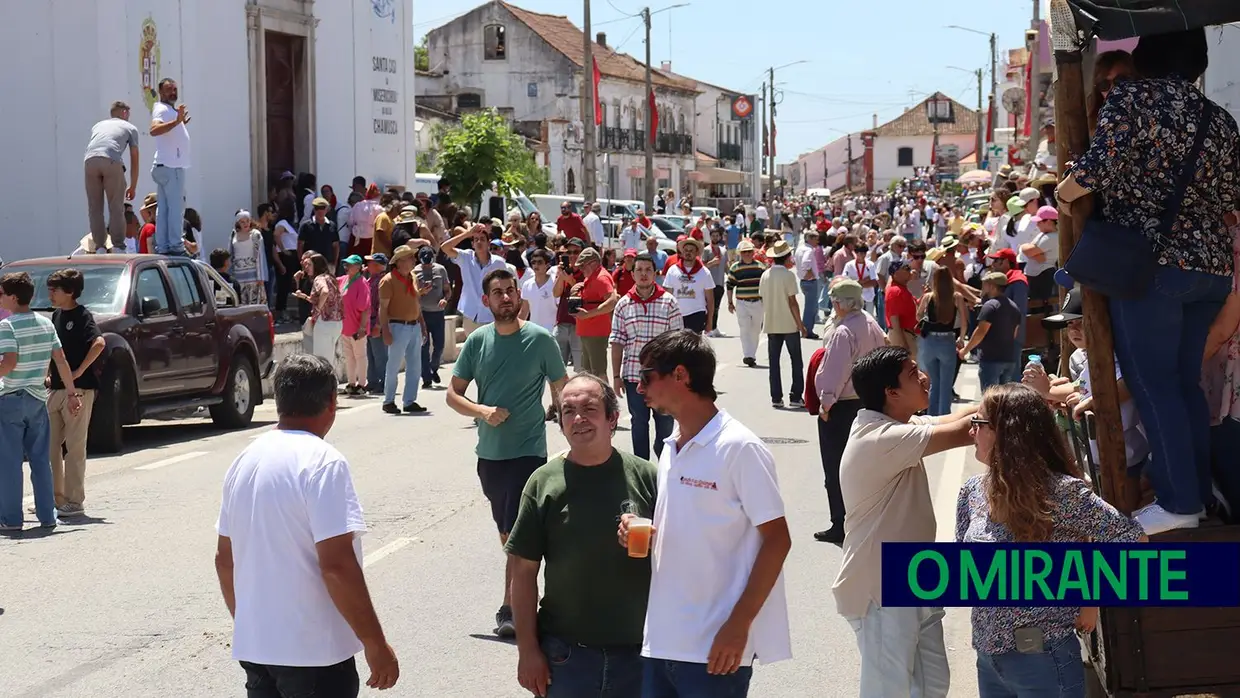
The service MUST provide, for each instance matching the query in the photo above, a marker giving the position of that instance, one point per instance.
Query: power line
(617, 9)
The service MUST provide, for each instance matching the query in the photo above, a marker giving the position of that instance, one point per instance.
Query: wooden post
(1072, 136)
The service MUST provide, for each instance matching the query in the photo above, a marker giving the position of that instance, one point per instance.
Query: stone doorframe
(294, 17)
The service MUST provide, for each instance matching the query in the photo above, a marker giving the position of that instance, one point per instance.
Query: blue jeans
(1159, 341)
(809, 312)
(1056, 673)
(639, 418)
(665, 678)
(991, 373)
(774, 348)
(376, 363)
(936, 355)
(880, 308)
(824, 295)
(407, 345)
(598, 672)
(432, 358)
(170, 213)
(24, 429)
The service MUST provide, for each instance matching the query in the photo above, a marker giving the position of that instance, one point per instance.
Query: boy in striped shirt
(742, 285)
(27, 342)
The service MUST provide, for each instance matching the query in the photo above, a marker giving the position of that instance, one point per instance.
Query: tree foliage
(483, 150)
(421, 56)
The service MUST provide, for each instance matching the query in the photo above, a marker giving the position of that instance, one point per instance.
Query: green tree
(421, 56)
(481, 150)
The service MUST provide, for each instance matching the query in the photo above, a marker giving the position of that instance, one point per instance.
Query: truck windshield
(105, 290)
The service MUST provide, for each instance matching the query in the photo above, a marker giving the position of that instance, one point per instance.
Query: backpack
(812, 404)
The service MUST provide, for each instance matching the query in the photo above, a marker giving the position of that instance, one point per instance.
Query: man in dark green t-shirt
(512, 361)
(588, 633)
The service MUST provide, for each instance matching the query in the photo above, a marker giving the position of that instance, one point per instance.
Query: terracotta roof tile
(567, 38)
(914, 121)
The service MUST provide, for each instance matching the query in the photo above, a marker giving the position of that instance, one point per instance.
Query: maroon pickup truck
(177, 338)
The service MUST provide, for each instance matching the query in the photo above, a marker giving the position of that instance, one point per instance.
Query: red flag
(772, 137)
(598, 105)
(654, 117)
(766, 142)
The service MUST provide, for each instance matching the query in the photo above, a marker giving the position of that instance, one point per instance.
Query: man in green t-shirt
(510, 360)
(588, 633)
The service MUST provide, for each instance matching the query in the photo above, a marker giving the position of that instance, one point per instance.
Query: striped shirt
(33, 338)
(635, 322)
(744, 279)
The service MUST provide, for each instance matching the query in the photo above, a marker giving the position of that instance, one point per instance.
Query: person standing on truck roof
(105, 176)
(172, 159)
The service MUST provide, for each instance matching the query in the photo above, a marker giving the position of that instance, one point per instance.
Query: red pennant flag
(773, 137)
(654, 117)
(766, 142)
(598, 105)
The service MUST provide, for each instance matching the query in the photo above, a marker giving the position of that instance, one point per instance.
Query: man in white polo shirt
(887, 499)
(289, 554)
(717, 599)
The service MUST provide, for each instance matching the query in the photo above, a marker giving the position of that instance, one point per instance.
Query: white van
(425, 183)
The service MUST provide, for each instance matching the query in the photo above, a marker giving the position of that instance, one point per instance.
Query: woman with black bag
(1165, 159)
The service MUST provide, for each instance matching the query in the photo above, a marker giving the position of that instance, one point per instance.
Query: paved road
(126, 604)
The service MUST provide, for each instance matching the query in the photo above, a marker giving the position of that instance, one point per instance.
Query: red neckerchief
(1016, 276)
(658, 291)
(406, 282)
(860, 270)
(697, 266)
(643, 222)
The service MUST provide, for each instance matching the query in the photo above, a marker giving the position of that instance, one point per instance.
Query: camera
(574, 305)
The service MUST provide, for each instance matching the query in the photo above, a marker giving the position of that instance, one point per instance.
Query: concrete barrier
(298, 342)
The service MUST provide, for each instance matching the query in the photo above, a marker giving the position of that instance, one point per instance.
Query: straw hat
(402, 252)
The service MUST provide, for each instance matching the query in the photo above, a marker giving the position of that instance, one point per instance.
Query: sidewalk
(290, 339)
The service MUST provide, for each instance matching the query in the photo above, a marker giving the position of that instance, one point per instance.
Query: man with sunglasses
(886, 496)
(570, 225)
(719, 516)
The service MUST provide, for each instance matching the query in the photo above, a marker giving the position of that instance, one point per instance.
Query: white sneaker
(1154, 519)
(1223, 504)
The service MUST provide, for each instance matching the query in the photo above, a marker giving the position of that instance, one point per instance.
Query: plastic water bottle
(1034, 360)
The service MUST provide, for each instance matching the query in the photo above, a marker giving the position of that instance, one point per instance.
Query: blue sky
(874, 56)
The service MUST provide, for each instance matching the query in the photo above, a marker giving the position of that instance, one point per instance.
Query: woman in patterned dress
(249, 260)
(326, 309)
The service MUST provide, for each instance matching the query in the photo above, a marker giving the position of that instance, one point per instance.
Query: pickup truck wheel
(105, 434)
(237, 409)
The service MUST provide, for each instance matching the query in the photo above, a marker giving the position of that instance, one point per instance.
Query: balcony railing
(634, 140)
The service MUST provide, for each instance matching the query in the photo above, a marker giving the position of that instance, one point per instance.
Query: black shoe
(435, 378)
(834, 535)
(413, 408)
(426, 385)
(391, 408)
(812, 336)
(504, 626)
(751, 362)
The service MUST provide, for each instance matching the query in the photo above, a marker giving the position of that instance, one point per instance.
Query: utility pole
(589, 184)
(771, 132)
(1035, 102)
(758, 195)
(848, 178)
(981, 123)
(991, 112)
(649, 181)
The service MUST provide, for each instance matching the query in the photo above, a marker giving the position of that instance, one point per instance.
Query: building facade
(473, 65)
(272, 85)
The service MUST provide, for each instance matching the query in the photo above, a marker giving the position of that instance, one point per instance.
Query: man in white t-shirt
(168, 120)
(717, 600)
(887, 499)
(289, 554)
(594, 225)
(692, 285)
(863, 271)
(538, 300)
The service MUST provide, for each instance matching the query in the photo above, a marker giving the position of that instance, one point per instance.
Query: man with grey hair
(289, 554)
(588, 633)
(105, 176)
(851, 334)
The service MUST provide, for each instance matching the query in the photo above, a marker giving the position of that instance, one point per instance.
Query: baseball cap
(1028, 194)
(1046, 213)
(319, 202)
(1015, 206)
(997, 278)
(630, 252)
(378, 258)
(353, 259)
(589, 254)
(1070, 311)
(575, 241)
(846, 288)
(1006, 253)
(896, 265)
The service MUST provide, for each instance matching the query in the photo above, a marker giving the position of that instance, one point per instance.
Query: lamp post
(771, 96)
(994, 77)
(980, 126)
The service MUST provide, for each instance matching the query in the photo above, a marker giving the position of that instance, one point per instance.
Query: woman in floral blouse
(1031, 492)
(1146, 130)
(326, 308)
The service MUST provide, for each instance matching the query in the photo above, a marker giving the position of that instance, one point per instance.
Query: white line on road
(949, 493)
(172, 461)
(386, 550)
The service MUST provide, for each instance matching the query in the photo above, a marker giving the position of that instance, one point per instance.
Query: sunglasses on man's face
(645, 375)
(918, 256)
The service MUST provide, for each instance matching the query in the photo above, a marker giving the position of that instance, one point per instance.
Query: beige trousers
(69, 430)
(910, 341)
(105, 178)
(354, 359)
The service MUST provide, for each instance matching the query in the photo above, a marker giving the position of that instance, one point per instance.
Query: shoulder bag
(1119, 261)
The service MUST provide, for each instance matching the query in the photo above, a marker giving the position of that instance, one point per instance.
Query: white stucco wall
(835, 155)
(70, 59)
(886, 154)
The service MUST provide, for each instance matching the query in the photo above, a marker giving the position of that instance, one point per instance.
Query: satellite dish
(1014, 100)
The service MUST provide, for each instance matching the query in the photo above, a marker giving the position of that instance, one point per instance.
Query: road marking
(949, 493)
(386, 550)
(172, 461)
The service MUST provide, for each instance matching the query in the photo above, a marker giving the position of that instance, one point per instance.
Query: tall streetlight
(649, 183)
(771, 137)
(994, 76)
(980, 126)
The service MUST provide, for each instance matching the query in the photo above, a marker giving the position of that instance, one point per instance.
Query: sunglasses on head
(976, 421)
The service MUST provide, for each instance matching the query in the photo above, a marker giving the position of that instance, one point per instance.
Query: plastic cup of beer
(639, 537)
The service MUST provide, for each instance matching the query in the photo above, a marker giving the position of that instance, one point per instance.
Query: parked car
(680, 222)
(176, 337)
(699, 211)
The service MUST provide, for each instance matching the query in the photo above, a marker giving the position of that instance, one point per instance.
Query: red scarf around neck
(406, 281)
(697, 266)
(658, 291)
